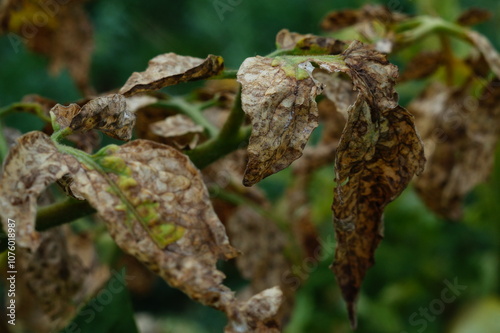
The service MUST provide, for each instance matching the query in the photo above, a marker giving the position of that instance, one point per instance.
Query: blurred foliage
(419, 252)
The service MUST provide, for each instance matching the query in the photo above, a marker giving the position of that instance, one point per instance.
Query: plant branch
(226, 74)
(230, 138)
(4, 146)
(62, 212)
(32, 108)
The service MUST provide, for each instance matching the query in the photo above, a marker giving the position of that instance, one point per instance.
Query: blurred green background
(419, 251)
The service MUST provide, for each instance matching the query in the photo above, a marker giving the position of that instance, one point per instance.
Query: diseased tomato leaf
(376, 159)
(56, 37)
(460, 134)
(32, 164)
(157, 208)
(169, 69)
(283, 114)
(308, 44)
(341, 19)
(108, 114)
(62, 274)
(378, 154)
(179, 131)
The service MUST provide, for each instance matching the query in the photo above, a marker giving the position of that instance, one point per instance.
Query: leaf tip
(351, 309)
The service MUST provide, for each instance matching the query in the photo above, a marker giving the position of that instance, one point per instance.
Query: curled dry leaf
(108, 114)
(64, 114)
(308, 44)
(169, 69)
(32, 164)
(179, 130)
(65, 37)
(460, 134)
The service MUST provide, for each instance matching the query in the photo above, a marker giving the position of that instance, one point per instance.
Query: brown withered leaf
(61, 275)
(108, 114)
(169, 69)
(308, 44)
(460, 134)
(247, 316)
(487, 50)
(333, 115)
(262, 245)
(283, 114)
(279, 97)
(157, 209)
(65, 114)
(32, 164)
(422, 65)
(323, 153)
(60, 31)
(376, 159)
(341, 19)
(373, 76)
(473, 16)
(179, 130)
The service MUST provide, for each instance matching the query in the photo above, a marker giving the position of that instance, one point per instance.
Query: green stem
(32, 108)
(226, 74)
(190, 110)
(62, 212)
(61, 134)
(230, 138)
(415, 29)
(4, 146)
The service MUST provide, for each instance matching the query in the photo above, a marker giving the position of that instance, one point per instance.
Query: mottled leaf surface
(65, 35)
(460, 133)
(308, 44)
(108, 114)
(158, 210)
(179, 130)
(283, 113)
(378, 154)
(61, 276)
(341, 19)
(169, 69)
(375, 162)
(32, 164)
